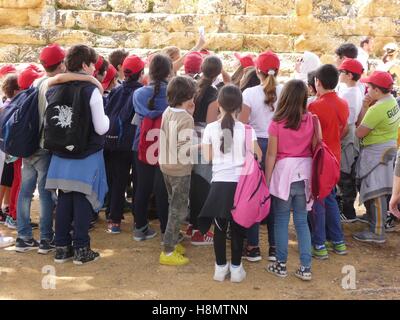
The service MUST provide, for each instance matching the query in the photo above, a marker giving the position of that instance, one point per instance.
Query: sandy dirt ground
(130, 270)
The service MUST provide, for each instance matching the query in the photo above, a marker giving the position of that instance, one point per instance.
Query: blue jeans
(297, 200)
(326, 221)
(34, 170)
(254, 231)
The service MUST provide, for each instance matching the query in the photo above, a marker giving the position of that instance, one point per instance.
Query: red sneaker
(199, 239)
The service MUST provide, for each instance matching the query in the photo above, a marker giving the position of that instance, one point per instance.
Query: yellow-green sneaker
(174, 259)
(180, 249)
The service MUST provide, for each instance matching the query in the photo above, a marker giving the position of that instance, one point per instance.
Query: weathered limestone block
(21, 4)
(352, 26)
(18, 53)
(183, 40)
(277, 43)
(14, 17)
(384, 26)
(317, 44)
(130, 6)
(328, 10)
(246, 24)
(138, 40)
(84, 4)
(304, 7)
(106, 42)
(23, 36)
(93, 20)
(175, 6)
(293, 25)
(233, 7)
(225, 41)
(35, 17)
(72, 37)
(146, 22)
(380, 8)
(272, 7)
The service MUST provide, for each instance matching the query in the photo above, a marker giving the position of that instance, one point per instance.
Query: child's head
(110, 79)
(350, 71)
(172, 51)
(326, 78)
(346, 50)
(27, 77)
(81, 58)
(116, 58)
(192, 63)
(100, 68)
(10, 86)
(52, 59)
(180, 93)
(211, 68)
(249, 79)
(312, 90)
(380, 84)
(160, 69)
(292, 104)
(230, 101)
(268, 64)
(133, 68)
(367, 44)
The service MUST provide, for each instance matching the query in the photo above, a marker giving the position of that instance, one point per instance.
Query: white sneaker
(6, 241)
(237, 274)
(221, 272)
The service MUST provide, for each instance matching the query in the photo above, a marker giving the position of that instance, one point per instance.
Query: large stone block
(14, 17)
(183, 40)
(379, 8)
(246, 24)
(317, 44)
(352, 26)
(384, 27)
(329, 10)
(225, 41)
(129, 6)
(18, 53)
(84, 4)
(23, 36)
(138, 40)
(174, 6)
(72, 37)
(304, 7)
(234, 7)
(270, 7)
(259, 43)
(293, 25)
(21, 4)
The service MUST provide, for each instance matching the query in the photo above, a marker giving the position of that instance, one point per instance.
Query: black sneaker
(26, 245)
(272, 254)
(63, 254)
(84, 255)
(304, 273)
(3, 217)
(277, 268)
(46, 246)
(390, 223)
(253, 254)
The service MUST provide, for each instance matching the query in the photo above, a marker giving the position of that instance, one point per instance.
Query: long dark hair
(211, 68)
(159, 70)
(292, 104)
(230, 99)
(249, 79)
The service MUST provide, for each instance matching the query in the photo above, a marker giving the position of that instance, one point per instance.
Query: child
(110, 80)
(259, 104)
(224, 145)
(150, 102)
(350, 72)
(177, 132)
(79, 178)
(312, 90)
(333, 113)
(245, 62)
(118, 155)
(206, 111)
(288, 173)
(378, 130)
(100, 68)
(249, 79)
(192, 64)
(117, 58)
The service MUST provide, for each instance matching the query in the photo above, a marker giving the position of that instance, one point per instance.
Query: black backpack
(68, 118)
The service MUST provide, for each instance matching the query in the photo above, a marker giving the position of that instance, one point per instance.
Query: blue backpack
(19, 124)
(120, 111)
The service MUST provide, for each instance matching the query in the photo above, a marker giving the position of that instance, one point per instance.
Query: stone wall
(285, 26)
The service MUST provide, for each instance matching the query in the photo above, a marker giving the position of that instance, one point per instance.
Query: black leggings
(237, 235)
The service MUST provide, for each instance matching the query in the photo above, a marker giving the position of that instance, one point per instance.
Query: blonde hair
(171, 51)
(269, 85)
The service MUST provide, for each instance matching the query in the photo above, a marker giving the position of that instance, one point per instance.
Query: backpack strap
(317, 131)
(247, 137)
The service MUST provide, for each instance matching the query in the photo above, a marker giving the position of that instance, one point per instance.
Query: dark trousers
(72, 207)
(199, 188)
(347, 193)
(150, 179)
(237, 236)
(118, 164)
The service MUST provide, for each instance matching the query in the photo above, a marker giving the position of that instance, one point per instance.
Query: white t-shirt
(342, 86)
(261, 114)
(362, 57)
(227, 167)
(354, 99)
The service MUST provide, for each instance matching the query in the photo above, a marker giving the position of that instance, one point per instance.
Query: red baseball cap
(267, 61)
(8, 68)
(26, 78)
(245, 61)
(352, 65)
(99, 63)
(110, 75)
(381, 79)
(133, 64)
(51, 55)
(192, 62)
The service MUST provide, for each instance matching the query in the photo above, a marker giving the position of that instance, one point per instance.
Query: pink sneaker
(199, 239)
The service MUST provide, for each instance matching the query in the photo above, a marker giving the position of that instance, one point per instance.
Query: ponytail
(156, 91)
(269, 86)
(227, 123)
(202, 86)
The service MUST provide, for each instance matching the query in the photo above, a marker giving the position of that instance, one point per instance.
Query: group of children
(182, 139)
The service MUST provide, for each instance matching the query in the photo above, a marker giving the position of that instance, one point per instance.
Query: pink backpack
(252, 199)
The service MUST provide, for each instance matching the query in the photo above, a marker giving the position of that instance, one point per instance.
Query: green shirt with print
(383, 118)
